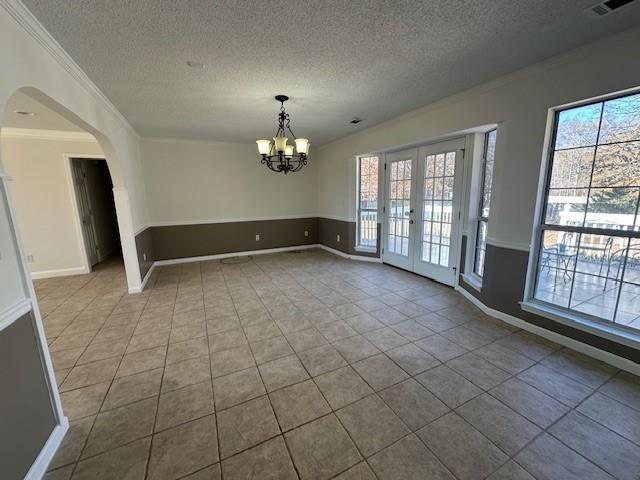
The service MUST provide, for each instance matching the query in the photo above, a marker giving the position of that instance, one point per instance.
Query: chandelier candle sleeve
(288, 151)
(278, 156)
(302, 145)
(280, 143)
(263, 147)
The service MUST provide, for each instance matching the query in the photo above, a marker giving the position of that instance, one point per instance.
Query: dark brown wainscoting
(144, 247)
(183, 241)
(505, 274)
(330, 229)
(26, 412)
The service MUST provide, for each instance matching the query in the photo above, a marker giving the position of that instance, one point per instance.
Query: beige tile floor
(306, 365)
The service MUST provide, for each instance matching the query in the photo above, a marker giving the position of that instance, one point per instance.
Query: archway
(107, 151)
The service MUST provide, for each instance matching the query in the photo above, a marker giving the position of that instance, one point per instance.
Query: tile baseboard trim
(598, 354)
(62, 272)
(360, 258)
(39, 467)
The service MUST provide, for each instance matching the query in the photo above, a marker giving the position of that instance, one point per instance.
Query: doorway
(422, 209)
(93, 191)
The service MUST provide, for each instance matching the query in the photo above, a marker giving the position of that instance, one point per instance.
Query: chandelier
(279, 156)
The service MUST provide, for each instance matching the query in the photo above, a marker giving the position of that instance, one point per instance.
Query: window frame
(358, 247)
(480, 218)
(565, 315)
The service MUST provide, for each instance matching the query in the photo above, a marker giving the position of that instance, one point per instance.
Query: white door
(438, 211)
(399, 208)
(424, 221)
(85, 211)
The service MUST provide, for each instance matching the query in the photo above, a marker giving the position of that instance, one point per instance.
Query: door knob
(411, 222)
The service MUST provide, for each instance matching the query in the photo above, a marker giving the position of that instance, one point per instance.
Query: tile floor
(306, 365)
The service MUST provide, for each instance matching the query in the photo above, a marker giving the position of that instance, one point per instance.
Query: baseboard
(361, 258)
(602, 355)
(62, 272)
(39, 467)
(204, 258)
(176, 261)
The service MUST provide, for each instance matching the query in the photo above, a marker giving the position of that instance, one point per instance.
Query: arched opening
(67, 191)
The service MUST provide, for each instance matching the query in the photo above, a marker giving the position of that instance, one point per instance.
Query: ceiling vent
(608, 6)
(356, 120)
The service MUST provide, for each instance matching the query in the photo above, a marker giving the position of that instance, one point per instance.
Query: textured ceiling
(337, 59)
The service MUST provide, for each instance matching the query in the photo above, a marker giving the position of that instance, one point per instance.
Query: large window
(485, 199)
(588, 257)
(367, 202)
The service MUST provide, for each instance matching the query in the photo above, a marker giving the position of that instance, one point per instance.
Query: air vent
(607, 7)
(356, 120)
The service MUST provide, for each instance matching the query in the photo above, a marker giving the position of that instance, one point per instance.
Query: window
(485, 199)
(367, 202)
(588, 257)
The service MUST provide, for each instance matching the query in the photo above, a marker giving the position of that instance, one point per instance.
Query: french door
(422, 209)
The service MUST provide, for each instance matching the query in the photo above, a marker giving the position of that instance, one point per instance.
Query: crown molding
(34, 134)
(36, 30)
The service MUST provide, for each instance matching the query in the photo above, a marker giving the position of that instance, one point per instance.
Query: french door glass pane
(439, 170)
(368, 202)
(399, 206)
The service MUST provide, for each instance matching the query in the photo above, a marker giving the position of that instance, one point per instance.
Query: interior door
(85, 211)
(399, 208)
(438, 211)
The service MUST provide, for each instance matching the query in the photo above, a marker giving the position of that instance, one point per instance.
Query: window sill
(365, 249)
(473, 280)
(600, 329)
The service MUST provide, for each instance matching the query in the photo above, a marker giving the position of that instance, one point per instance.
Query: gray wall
(331, 228)
(26, 412)
(144, 247)
(184, 241)
(503, 284)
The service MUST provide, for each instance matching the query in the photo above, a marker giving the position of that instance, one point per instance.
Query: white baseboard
(176, 261)
(62, 272)
(204, 258)
(610, 358)
(361, 258)
(39, 467)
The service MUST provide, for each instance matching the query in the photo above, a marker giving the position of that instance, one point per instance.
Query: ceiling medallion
(279, 156)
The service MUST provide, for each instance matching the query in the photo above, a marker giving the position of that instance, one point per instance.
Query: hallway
(307, 365)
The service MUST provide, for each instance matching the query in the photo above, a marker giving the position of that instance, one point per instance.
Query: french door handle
(411, 222)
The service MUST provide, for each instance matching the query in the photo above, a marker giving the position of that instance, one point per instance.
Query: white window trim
(530, 304)
(357, 247)
(481, 189)
(473, 280)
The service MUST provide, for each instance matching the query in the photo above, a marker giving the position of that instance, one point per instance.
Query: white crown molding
(52, 135)
(34, 28)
